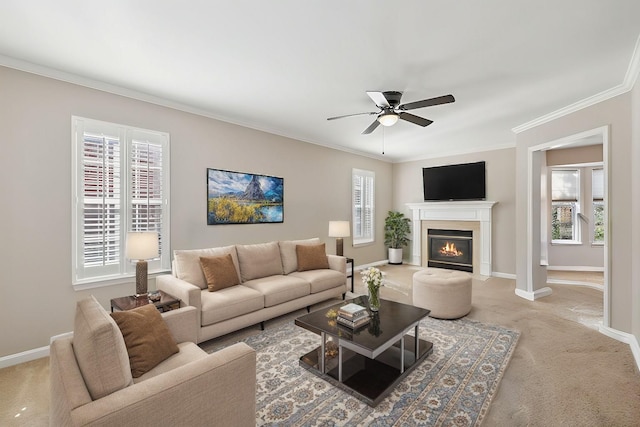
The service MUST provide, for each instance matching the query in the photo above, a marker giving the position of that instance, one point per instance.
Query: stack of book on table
(353, 315)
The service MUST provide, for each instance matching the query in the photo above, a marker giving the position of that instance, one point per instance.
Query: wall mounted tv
(454, 182)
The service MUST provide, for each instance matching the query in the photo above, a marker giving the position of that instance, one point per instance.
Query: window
(565, 205)
(121, 183)
(363, 192)
(597, 194)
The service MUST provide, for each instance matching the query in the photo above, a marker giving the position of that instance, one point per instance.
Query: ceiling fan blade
(415, 119)
(371, 127)
(379, 99)
(350, 115)
(446, 99)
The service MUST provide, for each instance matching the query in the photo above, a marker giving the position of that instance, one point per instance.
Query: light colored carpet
(563, 372)
(453, 386)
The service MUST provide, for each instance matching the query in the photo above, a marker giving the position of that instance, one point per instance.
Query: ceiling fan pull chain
(383, 141)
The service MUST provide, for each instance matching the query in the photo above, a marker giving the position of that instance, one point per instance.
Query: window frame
(122, 270)
(360, 235)
(575, 204)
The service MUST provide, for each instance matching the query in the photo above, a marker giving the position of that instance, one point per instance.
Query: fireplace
(452, 249)
(475, 215)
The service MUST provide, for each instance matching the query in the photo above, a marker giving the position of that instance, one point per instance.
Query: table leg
(417, 342)
(401, 355)
(322, 351)
(339, 363)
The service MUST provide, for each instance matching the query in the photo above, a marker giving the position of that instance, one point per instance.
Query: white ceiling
(284, 66)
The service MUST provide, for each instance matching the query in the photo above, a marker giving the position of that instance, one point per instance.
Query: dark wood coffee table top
(392, 319)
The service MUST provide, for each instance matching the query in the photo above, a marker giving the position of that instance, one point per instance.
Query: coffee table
(370, 361)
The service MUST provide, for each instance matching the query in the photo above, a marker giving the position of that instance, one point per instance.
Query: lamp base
(339, 246)
(141, 279)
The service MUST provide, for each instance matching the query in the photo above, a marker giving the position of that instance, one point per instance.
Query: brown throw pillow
(219, 272)
(146, 336)
(311, 257)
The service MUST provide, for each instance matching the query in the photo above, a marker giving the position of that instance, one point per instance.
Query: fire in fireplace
(452, 249)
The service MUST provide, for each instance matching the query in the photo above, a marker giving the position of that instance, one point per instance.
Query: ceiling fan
(391, 110)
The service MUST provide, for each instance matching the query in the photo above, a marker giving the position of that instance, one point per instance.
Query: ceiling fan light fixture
(388, 119)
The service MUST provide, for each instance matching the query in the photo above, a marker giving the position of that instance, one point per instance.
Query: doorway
(537, 220)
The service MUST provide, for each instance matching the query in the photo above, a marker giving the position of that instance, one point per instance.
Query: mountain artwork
(243, 198)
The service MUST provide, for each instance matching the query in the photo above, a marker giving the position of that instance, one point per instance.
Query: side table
(165, 303)
(350, 261)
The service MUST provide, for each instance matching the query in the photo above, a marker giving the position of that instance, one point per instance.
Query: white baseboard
(532, 296)
(25, 356)
(625, 338)
(503, 275)
(574, 268)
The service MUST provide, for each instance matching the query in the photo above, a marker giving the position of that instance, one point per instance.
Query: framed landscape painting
(243, 198)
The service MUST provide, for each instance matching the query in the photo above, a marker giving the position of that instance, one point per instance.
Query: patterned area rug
(452, 387)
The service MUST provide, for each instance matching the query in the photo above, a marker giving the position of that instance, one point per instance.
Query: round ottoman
(447, 293)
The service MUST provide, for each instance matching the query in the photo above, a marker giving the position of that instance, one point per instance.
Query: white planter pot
(395, 256)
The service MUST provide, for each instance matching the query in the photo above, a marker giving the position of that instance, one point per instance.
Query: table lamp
(339, 229)
(141, 246)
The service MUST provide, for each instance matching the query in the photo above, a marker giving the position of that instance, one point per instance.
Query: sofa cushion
(187, 263)
(311, 257)
(189, 352)
(288, 253)
(279, 289)
(100, 350)
(147, 337)
(259, 260)
(219, 272)
(228, 303)
(321, 280)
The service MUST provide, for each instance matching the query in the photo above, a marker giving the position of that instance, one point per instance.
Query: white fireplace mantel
(479, 211)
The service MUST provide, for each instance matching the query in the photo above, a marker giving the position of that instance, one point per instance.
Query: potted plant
(396, 235)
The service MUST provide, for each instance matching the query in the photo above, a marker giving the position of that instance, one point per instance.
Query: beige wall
(615, 113)
(635, 232)
(37, 298)
(500, 182)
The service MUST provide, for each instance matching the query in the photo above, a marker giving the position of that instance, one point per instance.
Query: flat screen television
(454, 182)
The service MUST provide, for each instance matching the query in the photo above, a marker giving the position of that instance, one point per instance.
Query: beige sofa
(92, 383)
(270, 285)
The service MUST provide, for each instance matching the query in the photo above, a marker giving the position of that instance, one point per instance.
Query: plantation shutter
(363, 206)
(565, 185)
(121, 177)
(101, 202)
(146, 186)
(597, 185)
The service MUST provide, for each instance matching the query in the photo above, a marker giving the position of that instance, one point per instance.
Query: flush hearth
(452, 249)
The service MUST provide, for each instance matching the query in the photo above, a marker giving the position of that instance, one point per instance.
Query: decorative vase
(374, 297)
(372, 277)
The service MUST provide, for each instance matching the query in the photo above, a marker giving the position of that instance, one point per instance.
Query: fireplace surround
(470, 215)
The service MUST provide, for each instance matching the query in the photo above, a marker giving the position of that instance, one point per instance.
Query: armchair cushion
(219, 272)
(146, 336)
(100, 350)
(311, 257)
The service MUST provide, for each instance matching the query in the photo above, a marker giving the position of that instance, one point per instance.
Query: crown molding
(633, 70)
(452, 153)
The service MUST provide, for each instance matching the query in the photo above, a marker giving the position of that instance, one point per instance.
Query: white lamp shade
(388, 119)
(339, 229)
(142, 245)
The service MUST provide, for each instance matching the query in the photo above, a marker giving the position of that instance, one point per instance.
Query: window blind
(565, 185)
(363, 206)
(597, 184)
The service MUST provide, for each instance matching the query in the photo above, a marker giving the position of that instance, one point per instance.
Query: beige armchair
(91, 381)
